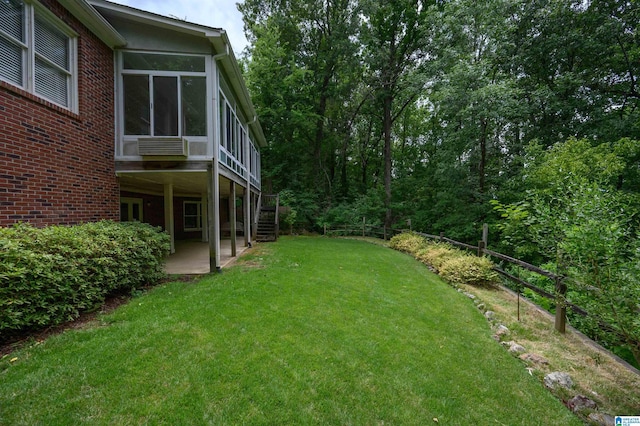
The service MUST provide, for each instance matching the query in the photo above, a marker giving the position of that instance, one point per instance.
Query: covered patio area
(192, 257)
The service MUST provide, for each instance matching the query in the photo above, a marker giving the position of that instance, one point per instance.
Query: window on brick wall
(130, 209)
(38, 52)
(192, 216)
(164, 95)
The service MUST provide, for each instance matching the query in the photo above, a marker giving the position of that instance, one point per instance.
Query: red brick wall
(57, 167)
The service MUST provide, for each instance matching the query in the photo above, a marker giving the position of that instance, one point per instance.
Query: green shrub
(408, 242)
(451, 264)
(50, 275)
(466, 269)
(434, 254)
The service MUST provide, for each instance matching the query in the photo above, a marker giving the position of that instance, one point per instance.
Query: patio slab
(192, 257)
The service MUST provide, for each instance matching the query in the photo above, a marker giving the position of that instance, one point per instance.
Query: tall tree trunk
(387, 122)
(317, 172)
(483, 156)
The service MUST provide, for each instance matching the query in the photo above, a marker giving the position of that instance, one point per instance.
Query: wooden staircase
(267, 224)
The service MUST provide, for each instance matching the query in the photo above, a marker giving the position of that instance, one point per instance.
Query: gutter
(223, 54)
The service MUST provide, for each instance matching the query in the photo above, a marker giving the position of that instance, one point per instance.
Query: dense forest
(523, 114)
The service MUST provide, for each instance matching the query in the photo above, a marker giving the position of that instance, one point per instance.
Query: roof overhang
(95, 22)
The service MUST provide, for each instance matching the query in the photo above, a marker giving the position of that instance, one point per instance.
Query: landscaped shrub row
(453, 265)
(50, 275)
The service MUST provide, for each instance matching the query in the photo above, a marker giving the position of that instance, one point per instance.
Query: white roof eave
(142, 16)
(95, 22)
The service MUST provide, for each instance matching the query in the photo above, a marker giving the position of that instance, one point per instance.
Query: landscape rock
(469, 295)
(603, 419)
(581, 402)
(555, 379)
(515, 348)
(489, 315)
(481, 306)
(501, 331)
(534, 359)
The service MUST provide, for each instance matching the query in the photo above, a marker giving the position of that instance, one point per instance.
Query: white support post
(204, 214)
(247, 216)
(247, 191)
(168, 214)
(232, 216)
(213, 216)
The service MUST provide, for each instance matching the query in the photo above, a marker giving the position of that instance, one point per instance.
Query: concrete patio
(192, 257)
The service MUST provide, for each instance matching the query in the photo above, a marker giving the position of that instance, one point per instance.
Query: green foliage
(368, 206)
(50, 275)
(408, 242)
(577, 216)
(453, 265)
(435, 254)
(468, 269)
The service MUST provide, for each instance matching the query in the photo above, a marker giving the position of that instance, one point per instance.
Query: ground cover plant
(307, 330)
(453, 265)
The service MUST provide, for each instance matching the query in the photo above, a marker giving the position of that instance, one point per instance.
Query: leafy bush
(435, 254)
(50, 275)
(451, 264)
(408, 242)
(465, 269)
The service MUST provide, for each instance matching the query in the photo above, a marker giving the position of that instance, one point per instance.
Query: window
(131, 210)
(192, 215)
(37, 51)
(164, 95)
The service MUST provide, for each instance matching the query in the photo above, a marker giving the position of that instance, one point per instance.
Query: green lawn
(302, 331)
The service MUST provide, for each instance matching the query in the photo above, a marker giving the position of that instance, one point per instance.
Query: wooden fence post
(364, 224)
(480, 248)
(485, 234)
(561, 307)
(441, 236)
(384, 233)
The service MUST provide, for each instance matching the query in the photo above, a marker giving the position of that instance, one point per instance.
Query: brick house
(110, 112)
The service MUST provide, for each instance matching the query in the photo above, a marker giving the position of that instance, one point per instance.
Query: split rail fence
(559, 296)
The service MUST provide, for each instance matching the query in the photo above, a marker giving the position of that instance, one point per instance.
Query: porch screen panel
(221, 115)
(137, 111)
(165, 108)
(159, 62)
(194, 106)
(229, 129)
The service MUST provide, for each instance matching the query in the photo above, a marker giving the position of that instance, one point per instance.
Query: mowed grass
(307, 330)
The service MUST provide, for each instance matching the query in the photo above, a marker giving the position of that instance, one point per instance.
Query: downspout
(254, 225)
(223, 54)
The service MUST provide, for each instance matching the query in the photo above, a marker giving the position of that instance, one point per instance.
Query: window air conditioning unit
(165, 147)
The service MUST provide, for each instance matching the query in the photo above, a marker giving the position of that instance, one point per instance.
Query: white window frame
(150, 74)
(198, 216)
(29, 54)
(232, 134)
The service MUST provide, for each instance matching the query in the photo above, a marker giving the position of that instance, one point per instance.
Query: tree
(396, 49)
(574, 217)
